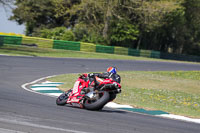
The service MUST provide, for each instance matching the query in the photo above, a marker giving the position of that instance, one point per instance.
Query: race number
(75, 88)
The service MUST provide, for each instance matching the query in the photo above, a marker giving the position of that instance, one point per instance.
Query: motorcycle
(92, 100)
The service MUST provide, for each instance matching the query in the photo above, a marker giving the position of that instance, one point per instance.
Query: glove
(84, 75)
(90, 75)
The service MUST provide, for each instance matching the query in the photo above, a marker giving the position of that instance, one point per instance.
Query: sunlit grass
(18, 50)
(44, 52)
(176, 92)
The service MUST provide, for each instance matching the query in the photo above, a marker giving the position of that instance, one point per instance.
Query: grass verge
(44, 52)
(174, 92)
(17, 50)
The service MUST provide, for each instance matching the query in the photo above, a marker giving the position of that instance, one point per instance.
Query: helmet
(112, 70)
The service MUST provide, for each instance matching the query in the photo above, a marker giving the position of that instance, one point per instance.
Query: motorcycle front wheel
(62, 99)
(98, 103)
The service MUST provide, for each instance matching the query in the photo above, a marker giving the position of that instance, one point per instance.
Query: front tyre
(99, 102)
(62, 99)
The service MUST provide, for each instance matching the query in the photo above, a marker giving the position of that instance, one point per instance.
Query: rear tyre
(99, 103)
(112, 96)
(62, 100)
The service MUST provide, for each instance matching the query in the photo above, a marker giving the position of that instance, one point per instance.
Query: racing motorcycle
(92, 100)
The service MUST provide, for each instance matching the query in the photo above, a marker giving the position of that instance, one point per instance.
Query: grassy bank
(44, 52)
(174, 92)
(41, 52)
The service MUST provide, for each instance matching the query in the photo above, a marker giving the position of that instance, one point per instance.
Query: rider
(95, 78)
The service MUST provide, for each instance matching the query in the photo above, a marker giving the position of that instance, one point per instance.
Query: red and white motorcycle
(93, 100)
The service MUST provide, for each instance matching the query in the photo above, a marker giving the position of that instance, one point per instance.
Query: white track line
(44, 88)
(34, 82)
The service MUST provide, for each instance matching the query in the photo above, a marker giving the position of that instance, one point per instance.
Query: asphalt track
(23, 111)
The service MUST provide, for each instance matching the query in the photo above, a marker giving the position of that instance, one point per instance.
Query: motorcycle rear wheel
(112, 96)
(98, 104)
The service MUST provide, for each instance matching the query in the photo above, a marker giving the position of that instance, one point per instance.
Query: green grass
(175, 92)
(17, 50)
(41, 52)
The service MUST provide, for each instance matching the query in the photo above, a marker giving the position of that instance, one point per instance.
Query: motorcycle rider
(95, 78)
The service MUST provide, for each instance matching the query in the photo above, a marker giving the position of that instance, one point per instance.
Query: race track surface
(24, 111)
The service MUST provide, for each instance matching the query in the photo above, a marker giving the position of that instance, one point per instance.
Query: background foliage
(164, 25)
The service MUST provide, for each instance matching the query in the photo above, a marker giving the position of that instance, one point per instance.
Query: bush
(124, 33)
(88, 34)
(58, 33)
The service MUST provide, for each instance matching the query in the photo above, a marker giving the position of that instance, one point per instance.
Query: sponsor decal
(75, 88)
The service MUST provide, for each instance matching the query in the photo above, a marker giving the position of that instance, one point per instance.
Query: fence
(89, 47)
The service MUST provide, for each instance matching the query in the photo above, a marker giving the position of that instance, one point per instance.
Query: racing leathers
(95, 80)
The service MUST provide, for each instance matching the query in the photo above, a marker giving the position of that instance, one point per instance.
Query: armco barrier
(87, 47)
(121, 51)
(10, 34)
(155, 54)
(1, 40)
(105, 49)
(145, 53)
(39, 42)
(133, 52)
(13, 40)
(179, 57)
(67, 45)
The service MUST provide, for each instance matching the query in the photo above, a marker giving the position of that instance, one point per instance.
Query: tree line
(164, 25)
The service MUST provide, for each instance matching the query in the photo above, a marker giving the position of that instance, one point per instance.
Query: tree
(123, 34)
(152, 15)
(99, 15)
(36, 15)
(174, 33)
(62, 9)
(164, 25)
(192, 16)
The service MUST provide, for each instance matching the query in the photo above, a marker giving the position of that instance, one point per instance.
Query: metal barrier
(121, 51)
(38, 42)
(67, 45)
(105, 49)
(90, 47)
(87, 47)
